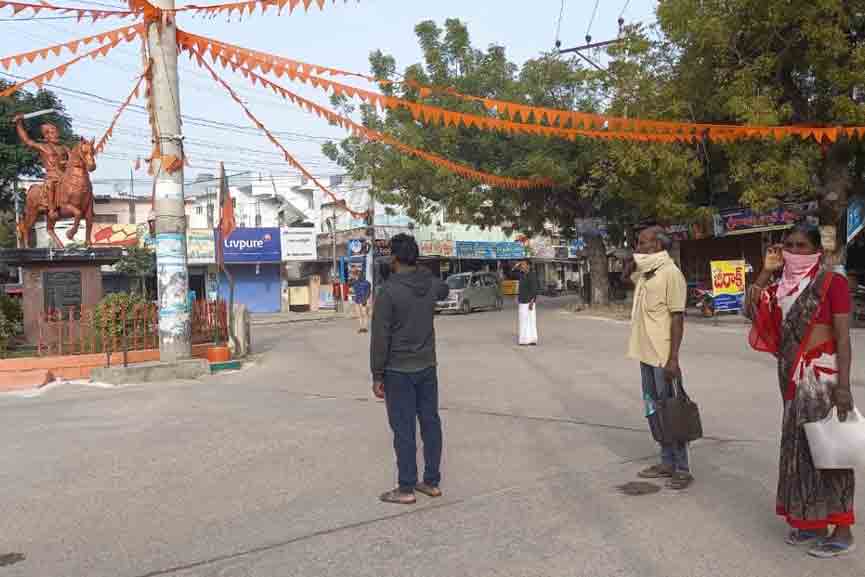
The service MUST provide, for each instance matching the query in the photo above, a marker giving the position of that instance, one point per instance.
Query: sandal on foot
(680, 481)
(397, 497)
(429, 490)
(798, 537)
(656, 472)
(830, 549)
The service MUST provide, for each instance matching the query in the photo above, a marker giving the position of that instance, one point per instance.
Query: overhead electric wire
(625, 8)
(194, 120)
(559, 24)
(592, 20)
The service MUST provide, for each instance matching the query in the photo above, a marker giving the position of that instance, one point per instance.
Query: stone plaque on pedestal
(56, 280)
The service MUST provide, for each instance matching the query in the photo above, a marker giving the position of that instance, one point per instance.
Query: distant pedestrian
(362, 290)
(404, 374)
(803, 320)
(526, 314)
(657, 328)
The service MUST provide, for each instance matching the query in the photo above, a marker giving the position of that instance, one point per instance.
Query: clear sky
(342, 36)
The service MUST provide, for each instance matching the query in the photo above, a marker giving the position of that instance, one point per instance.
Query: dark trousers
(411, 398)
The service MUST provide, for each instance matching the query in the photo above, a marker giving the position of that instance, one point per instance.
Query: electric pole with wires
(170, 215)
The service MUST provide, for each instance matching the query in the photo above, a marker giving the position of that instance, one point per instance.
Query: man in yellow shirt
(657, 327)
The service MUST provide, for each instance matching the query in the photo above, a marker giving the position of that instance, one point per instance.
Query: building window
(336, 180)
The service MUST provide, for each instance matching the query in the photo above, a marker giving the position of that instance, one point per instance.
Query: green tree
(16, 159)
(138, 262)
(619, 182)
(775, 62)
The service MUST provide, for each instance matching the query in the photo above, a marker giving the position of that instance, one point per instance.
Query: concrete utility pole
(171, 267)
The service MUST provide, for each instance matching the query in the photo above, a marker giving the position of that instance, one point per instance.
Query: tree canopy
(762, 62)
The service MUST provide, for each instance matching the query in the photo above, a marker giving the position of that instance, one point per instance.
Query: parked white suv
(470, 291)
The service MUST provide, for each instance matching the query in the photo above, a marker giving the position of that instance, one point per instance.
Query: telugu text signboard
(253, 245)
(728, 284)
(482, 250)
(299, 244)
(200, 248)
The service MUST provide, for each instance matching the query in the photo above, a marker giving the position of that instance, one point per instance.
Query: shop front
(253, 257)
(739, 234)
(201, 258)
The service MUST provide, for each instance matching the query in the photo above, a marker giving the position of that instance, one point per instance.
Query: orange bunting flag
(248, 6)
(81, 13)
(333, 117)
(104, 140)
(517, 118)
(288, 157)
(40, 79)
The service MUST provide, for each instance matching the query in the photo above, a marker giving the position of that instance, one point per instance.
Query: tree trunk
(599, 270)
(833, 192)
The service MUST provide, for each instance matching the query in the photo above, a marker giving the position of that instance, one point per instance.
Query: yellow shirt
(656, 299)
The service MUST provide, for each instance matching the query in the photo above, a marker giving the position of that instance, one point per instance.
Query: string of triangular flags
(559, 123)
(72, 46)
(59, 71)
(362, 131)
(81, 13)
(134, 94)
(249, 7)
(288, 157)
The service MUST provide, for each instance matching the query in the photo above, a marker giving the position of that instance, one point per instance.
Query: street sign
(855, 217)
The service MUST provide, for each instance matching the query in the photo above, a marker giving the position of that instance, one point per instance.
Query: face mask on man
(649, 262)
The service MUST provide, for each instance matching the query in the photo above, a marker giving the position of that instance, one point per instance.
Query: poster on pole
(728, 285)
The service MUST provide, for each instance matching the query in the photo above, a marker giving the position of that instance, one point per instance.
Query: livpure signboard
(253, 245)
(299, 244)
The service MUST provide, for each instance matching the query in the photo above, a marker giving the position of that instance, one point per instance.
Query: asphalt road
(274, 471)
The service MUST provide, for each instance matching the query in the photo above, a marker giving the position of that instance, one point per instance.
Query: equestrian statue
(66, 191)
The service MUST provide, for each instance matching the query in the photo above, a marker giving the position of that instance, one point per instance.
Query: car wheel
(466, 308)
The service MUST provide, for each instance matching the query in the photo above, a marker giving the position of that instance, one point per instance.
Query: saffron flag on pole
(227, 223)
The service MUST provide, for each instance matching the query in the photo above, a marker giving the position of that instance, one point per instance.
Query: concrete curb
(291, 321)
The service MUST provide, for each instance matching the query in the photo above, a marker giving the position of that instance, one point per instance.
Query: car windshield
(458, 282)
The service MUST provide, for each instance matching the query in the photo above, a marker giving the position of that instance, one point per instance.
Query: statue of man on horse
(66, 191)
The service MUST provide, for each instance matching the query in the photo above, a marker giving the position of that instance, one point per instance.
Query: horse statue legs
(34, 205)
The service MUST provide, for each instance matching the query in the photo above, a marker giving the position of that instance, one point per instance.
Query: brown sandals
(397, 497)
(429, 490)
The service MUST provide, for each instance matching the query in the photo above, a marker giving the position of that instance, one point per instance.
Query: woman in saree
(803, 319)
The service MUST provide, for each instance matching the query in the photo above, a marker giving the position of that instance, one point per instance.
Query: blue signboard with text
(855, 217)
(482, 250)
(253, 245)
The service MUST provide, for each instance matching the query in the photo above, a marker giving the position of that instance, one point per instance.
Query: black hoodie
(403, 336)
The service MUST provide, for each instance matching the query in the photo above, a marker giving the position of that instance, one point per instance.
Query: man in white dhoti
(528, 294)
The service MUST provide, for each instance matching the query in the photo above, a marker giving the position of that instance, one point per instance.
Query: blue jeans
(655, 387)
(411, 398)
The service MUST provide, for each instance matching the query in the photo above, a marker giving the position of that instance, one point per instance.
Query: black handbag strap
(679, 389)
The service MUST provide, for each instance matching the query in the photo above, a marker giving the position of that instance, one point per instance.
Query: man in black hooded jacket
(403, 362)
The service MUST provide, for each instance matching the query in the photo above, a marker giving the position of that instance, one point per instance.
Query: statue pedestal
(58, 280)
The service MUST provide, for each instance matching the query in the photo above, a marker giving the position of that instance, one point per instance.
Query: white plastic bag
(837, 445)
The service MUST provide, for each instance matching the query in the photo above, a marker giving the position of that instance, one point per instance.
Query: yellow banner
(728, 284)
